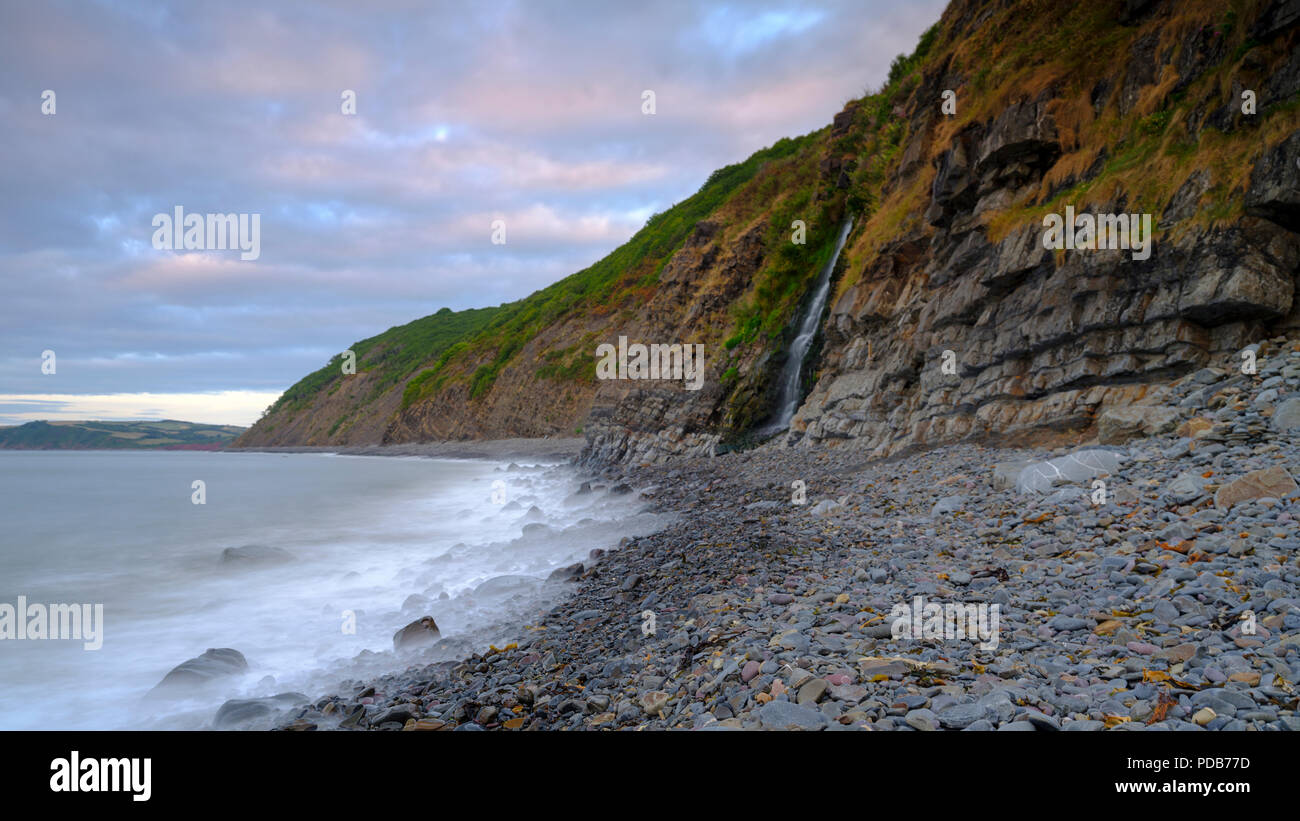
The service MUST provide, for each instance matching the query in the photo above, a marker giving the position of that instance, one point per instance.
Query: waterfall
(792, 372)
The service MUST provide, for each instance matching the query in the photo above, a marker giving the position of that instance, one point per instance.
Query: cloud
(540, 224)
(217, 408)
(465, 114)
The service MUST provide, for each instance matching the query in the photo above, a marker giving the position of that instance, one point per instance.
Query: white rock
(1039, 477)
(826, 507)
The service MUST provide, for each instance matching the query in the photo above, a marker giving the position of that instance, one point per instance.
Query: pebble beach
(1142, 586)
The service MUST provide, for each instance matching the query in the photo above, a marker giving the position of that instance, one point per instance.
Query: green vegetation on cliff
(1120, 104)
(474, 345)
(612, 282)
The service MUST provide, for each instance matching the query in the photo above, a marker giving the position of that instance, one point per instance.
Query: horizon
(151, 421)
(368, 220)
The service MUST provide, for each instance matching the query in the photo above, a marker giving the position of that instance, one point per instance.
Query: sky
(525, 112)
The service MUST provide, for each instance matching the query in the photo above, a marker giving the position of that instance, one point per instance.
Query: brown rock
(1194, 426)
(1115, 426)
(654, 701)
(812, 692)
(1274, 481)
(418, 633)
(1107, 627)
(424, 724)
(1182, 652)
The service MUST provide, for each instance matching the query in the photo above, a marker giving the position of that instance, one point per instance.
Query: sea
(307, 564)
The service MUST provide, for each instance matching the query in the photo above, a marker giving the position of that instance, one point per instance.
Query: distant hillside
(168, 434)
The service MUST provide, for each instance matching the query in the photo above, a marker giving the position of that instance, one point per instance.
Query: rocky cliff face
(1041, 340)
(1007, 113)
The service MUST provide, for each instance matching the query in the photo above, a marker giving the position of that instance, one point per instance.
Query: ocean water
(388, 539)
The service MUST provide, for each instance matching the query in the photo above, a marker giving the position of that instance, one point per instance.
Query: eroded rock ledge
(1044, 340)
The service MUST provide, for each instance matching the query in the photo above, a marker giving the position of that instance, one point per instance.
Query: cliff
(1005, 113)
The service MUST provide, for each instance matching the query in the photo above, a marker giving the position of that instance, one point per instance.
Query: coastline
(1126, 614)
(557, 449)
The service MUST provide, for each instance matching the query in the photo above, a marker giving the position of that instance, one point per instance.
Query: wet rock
(247, 713)
(419, 633)
(213, 664)
(566, 574)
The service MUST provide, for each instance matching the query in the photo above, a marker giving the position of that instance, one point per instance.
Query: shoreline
(1156, 588)
(563, 449)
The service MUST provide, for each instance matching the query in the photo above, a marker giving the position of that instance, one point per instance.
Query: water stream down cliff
(790, 381)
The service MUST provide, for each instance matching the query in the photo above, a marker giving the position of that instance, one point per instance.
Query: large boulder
(215, 663)
(1275, 482)
(566, 574)
(419, 633)
(1039, 477)
(1115, 426)
(248, 712)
